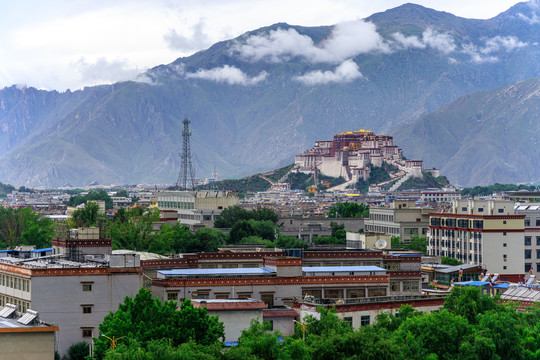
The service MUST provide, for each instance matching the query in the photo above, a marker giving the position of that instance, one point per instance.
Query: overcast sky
(61, 44)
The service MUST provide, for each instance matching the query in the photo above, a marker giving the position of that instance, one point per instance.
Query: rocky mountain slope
(481, 138)
(258, 100)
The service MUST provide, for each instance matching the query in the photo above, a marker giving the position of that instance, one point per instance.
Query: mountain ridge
(251, 114)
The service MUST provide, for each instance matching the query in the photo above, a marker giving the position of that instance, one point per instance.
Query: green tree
(445, 260)
(245, 228)
(92, 195)
(121, 193)
(23, 226)
(338, 230)
(469, 302)
(86, 216)
(348, 210)
(145, 319)
(79, 351)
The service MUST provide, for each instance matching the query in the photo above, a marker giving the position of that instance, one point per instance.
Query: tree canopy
(348, 210)
(144, 319)
(23, 226)
(471, 325)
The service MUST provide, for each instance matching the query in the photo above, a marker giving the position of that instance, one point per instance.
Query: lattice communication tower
(186, 167)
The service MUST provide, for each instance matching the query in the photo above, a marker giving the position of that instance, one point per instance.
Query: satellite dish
(380, 244)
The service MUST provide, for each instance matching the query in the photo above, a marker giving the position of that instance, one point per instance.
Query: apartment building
(75, 287)
(402, 219)
(404, 270)
(485, 233)
(197, 207)
(281, 281)
(531, 239)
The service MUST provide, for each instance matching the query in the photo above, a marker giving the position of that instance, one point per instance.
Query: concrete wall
(27, 346)
(236, 321)
(59, 300)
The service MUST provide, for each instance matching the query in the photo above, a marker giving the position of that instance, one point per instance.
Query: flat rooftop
(226, 272)
(12, 325)
(326, 269)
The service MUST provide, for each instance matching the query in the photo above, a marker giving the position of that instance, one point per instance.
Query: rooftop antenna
(186, 167)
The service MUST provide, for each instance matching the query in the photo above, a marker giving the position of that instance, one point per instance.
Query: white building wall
(59, 300)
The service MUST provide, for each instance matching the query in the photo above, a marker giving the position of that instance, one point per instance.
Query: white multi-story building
(486, 233)
(74, 295)
(403, 219)
(197, 207)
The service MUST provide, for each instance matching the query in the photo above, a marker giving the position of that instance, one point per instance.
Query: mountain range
(257, 100)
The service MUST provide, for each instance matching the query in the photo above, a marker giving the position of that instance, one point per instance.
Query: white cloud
(476, 55)
(486, 53)
(105, 71)
(228, 74)
(498, 43)
(198, 39)
(346, 72)
(403, 42)
(347, 40)
(443, 42)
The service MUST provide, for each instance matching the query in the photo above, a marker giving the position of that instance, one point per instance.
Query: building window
(537, 222)
(377, 292)
(528, 267)
(527, 241)
(410, 286)
(270, 325)
(504, 221)
(504, 244)
(464, 208)
(87, 333)
(348, 320)
(501, 211)
(480, 209)
(394, 286)
(268, 299)
(504, 267)
(86, 287)
(504, 256)
(528, 254)
(172, 296)
(538, 240)
(244, 295)
(87, 309)
(222, 295)
(504, 233)
(333, 293)
(364, 320)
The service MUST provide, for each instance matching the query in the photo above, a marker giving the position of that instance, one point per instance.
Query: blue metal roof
(501, 286)
(341, 268)
(471, 283)
(42, 250)
(208, 272)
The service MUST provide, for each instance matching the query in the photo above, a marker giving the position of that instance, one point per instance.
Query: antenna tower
(186, 168)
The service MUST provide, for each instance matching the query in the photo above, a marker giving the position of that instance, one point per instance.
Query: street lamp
(303, 325)
(114, 341)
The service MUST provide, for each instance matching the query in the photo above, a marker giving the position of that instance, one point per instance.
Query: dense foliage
(471, 325)
(92, 195)
(5, 189)
(425, 182)
(377, 175)
(416, 244)
(348, 210)
(490, 189)
(143, 319)
(252, 183)
(279, 173)
(23, 226)
(230, 215)
(445, 260)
